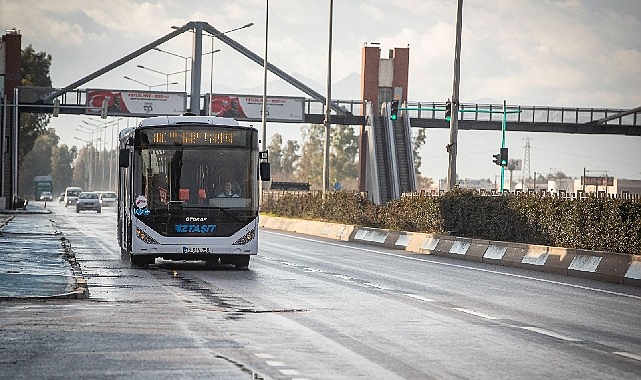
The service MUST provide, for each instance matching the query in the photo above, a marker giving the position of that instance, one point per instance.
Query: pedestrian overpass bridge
(386, 148)
(522, 118)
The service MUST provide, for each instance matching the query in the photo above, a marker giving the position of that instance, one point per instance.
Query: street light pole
(89, 162)
(179, 56)
(327, 121)
(160, 72)
(452, 146)
(149, 86)
(264, 109)
(211, 68)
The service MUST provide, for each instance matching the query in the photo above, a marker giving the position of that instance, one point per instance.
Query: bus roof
(181, 120)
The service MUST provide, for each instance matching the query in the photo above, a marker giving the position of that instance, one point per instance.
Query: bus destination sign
(197, 137)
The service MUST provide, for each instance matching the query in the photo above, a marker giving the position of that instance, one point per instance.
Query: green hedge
(605, 224)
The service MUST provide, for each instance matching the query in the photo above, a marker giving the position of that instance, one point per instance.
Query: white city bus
(172, 198)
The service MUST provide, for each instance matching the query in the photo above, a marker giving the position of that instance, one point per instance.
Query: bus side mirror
(123, 158)
(265, 171)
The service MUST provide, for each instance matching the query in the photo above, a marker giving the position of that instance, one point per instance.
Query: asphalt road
(311, 308)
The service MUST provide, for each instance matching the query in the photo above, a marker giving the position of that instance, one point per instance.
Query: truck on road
(42, 183)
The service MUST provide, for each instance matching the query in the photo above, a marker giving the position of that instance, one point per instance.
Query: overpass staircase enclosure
(389, 169)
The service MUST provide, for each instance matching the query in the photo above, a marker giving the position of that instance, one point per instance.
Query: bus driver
(228, 192)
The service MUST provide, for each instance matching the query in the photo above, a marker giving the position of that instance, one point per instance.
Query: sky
(527, 52)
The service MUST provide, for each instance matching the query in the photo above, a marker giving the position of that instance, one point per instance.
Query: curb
(614, 267)
(81, 291)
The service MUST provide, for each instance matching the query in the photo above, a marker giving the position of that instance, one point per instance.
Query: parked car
(107, 198)
(88, 201)
(46, 196)
(62, 197)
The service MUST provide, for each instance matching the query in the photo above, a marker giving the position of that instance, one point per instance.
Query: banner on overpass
(136, 103)
(250, 107)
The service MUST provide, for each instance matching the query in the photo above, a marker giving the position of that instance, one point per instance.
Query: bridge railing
(355, 107)
(528, 114)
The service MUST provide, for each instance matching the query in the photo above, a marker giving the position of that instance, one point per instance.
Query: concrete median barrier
(596, 265)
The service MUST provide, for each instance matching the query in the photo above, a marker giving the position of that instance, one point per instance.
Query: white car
(71, 195)
(88, 201)
(107, 198)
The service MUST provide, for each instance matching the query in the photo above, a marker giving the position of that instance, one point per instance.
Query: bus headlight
(142, 235)
(249, 236)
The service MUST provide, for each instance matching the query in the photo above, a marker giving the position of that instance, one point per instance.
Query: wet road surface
(34, 258)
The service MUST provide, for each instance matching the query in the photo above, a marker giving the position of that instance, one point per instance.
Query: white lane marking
(377, 286)
(476, 313)
(343, 277)
(289, 372)
(550, 333)
(628, 355)
(424, 299)
(458, 266)
(273, 363)
(264, 356)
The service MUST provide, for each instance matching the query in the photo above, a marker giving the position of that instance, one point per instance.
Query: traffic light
(448, 110)
(394, 110)
(497, 159)
(503, 156)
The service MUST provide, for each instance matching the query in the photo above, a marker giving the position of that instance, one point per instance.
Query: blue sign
(141, 211)
(202, 228)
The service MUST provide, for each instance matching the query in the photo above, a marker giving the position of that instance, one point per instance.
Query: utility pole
(327, 122)
(264, 109)
(451, 147)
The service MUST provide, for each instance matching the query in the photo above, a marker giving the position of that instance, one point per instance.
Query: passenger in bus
(229, 191)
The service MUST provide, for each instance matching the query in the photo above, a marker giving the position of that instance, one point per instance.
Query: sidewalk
(35, 259)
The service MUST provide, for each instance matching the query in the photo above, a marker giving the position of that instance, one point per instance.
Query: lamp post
(149, 86)
(211, 69)
(327, 121)
(188, 58)
(162, 73)
(452, 146)
(103, 139)
(89, 163)
(92, 165)
(115, 126)
(264, 109)
(179, 56)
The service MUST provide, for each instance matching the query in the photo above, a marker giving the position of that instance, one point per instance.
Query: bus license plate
(196, 250)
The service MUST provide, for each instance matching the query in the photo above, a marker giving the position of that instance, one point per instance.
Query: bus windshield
(198, 177)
